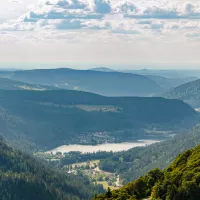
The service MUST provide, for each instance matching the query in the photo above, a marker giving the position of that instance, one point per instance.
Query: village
(89, 168)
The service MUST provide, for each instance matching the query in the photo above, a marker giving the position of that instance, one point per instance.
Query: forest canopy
(181, 180)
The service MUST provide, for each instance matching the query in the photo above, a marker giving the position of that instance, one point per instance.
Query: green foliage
(181, 178)
(136, 162)
(76, 157)
(23, 177)
(180, 181)
(138, 189)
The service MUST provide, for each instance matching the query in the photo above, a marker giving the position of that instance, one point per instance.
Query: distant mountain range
(170, 83)
(103, 69)
(189, 92)
(100, 82)
(170, 74)
(166, 79)
(54, 117)
(163, 73)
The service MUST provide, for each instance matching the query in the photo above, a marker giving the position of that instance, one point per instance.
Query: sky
(81, 33)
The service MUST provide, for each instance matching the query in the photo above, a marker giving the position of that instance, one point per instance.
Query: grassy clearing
(83, 164)
(105, 185)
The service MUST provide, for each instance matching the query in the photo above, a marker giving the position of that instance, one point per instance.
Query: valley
(100, 100)
(90, 167)
(103, 141)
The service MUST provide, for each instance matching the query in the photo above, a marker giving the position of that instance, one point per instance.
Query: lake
(115, 147)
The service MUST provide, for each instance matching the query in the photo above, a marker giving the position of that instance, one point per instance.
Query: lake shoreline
(115, 147)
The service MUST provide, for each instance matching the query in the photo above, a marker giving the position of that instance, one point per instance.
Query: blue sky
(101, 32)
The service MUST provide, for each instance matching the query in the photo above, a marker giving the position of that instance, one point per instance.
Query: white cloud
(68, 9)
(92, 14)
(136, 23)
(159, 9)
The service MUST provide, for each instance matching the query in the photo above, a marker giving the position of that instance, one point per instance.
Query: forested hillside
(101, 80)
(162, 78)
(23, 177)
(51, 118)
(138, 161)
(169, 83)
(189, 92)
(8, 84)
(181, 180)
(104, 83)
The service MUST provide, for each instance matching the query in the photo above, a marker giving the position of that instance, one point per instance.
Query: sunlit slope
(181, 180)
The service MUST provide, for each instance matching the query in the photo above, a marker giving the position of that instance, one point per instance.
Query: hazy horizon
(85, 66)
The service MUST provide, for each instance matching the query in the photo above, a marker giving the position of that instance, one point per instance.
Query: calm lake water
(115, 147)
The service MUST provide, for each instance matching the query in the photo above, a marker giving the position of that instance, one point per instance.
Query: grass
(105, 185)
(91, 163)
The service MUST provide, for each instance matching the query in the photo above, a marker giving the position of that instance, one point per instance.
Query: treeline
(23, 177)
(138, 161)
(181, 180)
(76, 157)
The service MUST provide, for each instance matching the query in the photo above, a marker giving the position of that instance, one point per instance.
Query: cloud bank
(132, 27)
(122, 17)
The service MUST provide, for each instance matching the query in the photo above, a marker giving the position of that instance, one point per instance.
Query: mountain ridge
(100, 82)
(189, 92)
(63, 115)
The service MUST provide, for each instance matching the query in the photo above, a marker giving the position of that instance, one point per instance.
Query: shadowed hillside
(23, 177)
(189, 92)
(104, 83)
(51, 118)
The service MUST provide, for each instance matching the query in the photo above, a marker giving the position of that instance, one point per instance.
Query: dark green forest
(180, 181)
(24, 177)
(77, 157)
(51, 118)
